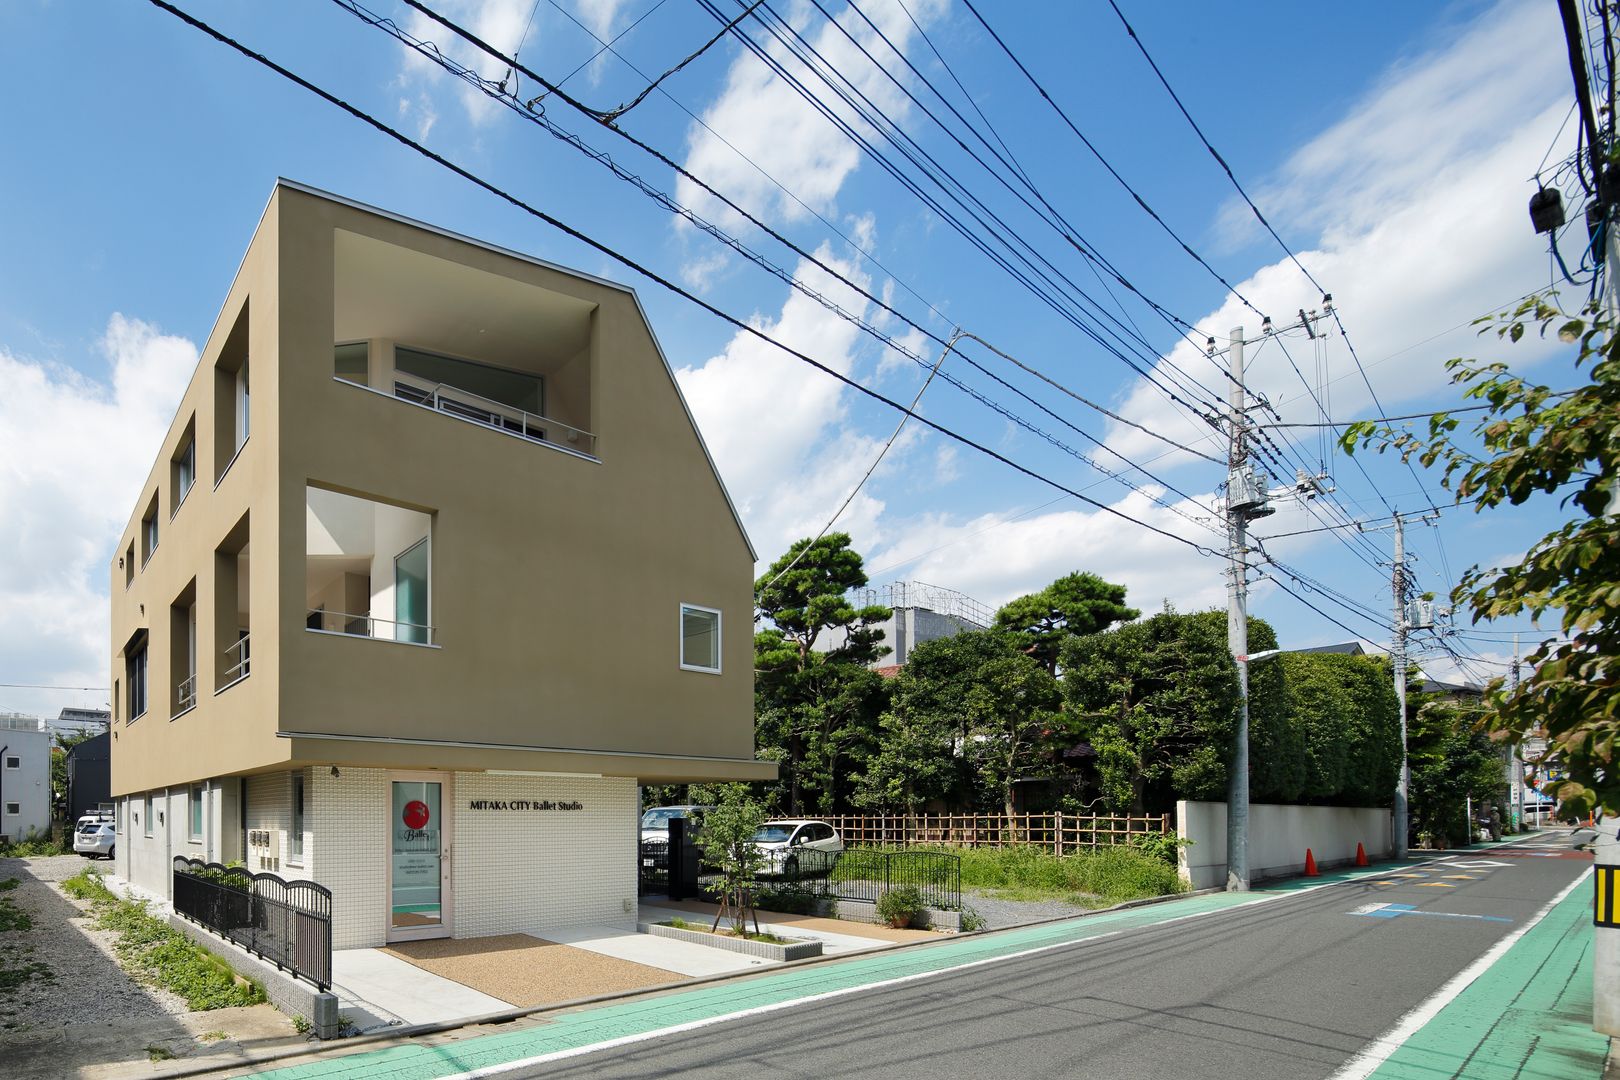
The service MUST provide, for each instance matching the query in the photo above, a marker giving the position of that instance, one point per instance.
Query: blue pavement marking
(1391, 911)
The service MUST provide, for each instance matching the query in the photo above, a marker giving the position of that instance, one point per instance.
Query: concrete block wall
(1278, 838)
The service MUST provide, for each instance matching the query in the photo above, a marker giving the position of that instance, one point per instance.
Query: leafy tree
(969, 711)
(1452, 760)
(727, 837)
(1072, 606)
(1277, 767)
(1538, 442)
(1345, 711)
(806, 698)
(1157, 700)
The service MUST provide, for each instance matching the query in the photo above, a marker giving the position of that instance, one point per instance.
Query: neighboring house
(73, 722)
(920, 612)
(432, 570)
(88, 776)
(1343, 648)
(25, 779)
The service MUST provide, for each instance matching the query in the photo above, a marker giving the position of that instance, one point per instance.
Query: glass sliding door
(418, 863)
(411, 594)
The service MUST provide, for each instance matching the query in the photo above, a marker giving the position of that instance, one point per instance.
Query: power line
(646, 272)
(613, 114)
(48, 686)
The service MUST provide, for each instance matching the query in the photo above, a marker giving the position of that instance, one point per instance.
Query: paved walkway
(1524, 1007)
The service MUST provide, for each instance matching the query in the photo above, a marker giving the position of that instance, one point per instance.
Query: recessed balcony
(367, 569)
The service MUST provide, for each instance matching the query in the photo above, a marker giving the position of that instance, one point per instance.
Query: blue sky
(1391, 144)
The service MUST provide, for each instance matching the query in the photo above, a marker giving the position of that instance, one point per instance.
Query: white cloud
(766, 122)
(499, 22)
(1418, 196)
(81, 450)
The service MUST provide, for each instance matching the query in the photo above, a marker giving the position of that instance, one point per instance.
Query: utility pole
(1398, 822)
(1238, 503)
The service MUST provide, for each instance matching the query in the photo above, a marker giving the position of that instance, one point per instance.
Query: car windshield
(659, 819)
(773, 834)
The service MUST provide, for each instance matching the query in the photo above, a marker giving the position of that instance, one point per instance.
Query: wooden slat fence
(1056, 832)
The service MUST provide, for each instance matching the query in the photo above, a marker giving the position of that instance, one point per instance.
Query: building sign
(520, 805)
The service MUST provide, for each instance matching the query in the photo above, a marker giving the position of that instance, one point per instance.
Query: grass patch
(152, 951)
(9, 884)
(35, 847)
(1108, 875)
(13, 917)
(13, 977)
(155, 1052)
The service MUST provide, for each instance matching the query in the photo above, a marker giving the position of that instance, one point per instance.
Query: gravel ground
(84, 982)
(999, 914)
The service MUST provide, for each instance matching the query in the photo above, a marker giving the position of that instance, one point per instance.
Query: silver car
(791, 843)
(94, 835)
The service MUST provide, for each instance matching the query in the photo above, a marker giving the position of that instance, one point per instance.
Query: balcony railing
(482, 410)
(340, 622)
(185, 694)
(238, 653)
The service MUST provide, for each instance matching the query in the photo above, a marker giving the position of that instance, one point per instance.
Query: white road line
(760, 1010)
(1378, 1051)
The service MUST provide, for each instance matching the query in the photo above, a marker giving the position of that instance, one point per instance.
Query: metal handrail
(454, 401)
(238, 670)
(186, 693)
(341, 622)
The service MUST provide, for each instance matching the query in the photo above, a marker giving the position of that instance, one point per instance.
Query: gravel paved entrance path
(75, 1012)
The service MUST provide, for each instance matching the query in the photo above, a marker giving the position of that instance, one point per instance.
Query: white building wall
(269, 801)
(146, 860)
(535, 870)
(28, 785)
(347, 816)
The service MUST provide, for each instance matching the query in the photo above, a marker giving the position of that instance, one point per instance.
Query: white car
(95, 834)
(783, 840)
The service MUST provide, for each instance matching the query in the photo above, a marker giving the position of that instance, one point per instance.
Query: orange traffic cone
(1361, 854)
(1310, 863)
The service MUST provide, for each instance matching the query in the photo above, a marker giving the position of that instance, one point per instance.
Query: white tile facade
(526, 869)
(347, 817)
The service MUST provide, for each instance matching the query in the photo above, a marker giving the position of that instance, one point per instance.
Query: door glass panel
(411, 594)
(417, 825)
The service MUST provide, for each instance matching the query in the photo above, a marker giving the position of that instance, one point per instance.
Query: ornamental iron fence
(288, 923)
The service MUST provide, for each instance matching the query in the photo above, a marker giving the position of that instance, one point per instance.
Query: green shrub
(900, 907)
(787, 899)
(1112, 874)
(1159, 845)
(87, 885)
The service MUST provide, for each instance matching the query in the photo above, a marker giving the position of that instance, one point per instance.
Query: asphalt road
(1288, 990)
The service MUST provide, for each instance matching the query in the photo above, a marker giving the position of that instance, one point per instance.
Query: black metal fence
(867, 873)
(288, 923)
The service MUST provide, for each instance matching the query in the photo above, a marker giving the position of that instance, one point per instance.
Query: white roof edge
(282, 181)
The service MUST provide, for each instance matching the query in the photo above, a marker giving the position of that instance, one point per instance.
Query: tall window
(194, 804)
(135, 675)
(242, 404)
(185, 470)
(149, 533)
(146, 811)
(700, 638)
(296, 852)
(411, 593)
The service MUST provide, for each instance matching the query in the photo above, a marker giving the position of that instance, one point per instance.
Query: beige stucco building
(431, 571)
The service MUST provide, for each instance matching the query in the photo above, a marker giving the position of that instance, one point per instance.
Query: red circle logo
(416, 814)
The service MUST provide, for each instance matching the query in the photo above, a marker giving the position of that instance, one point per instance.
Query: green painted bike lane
(1527, 1017)
(588, 1026)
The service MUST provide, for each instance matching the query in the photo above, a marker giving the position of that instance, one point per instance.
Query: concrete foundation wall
(1278, 838)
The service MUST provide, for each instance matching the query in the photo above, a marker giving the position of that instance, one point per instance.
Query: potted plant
(899, 907)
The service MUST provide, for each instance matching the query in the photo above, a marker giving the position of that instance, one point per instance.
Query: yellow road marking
(1435, 885)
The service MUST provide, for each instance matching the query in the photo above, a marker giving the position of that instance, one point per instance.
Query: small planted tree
(728, 842)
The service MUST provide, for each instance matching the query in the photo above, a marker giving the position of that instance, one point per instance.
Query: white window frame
(146, 822)
(719, 629)
(188, 452)
(297, 818)
(196, 813)
(13, 809)
(13, 762)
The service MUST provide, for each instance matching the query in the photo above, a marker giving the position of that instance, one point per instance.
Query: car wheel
(110, 852)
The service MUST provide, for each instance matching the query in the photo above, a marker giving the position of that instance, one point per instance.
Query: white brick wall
(347, 816)
(533, 870)
(270, 810)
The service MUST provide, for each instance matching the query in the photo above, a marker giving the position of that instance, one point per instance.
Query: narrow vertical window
(295, 852)
(194, 804)
(700, 638)
(146, 810)
(411, 594)
(135, 675)
(242, 411)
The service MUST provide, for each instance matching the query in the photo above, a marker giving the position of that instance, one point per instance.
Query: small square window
(13, 762)
(700, 638)
(13, 809)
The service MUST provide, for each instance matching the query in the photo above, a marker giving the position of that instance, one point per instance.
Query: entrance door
(419, 893)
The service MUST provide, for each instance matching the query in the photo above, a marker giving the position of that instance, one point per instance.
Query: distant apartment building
(25, 778)
(919, 612)
(432, 570)
(72, 722)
